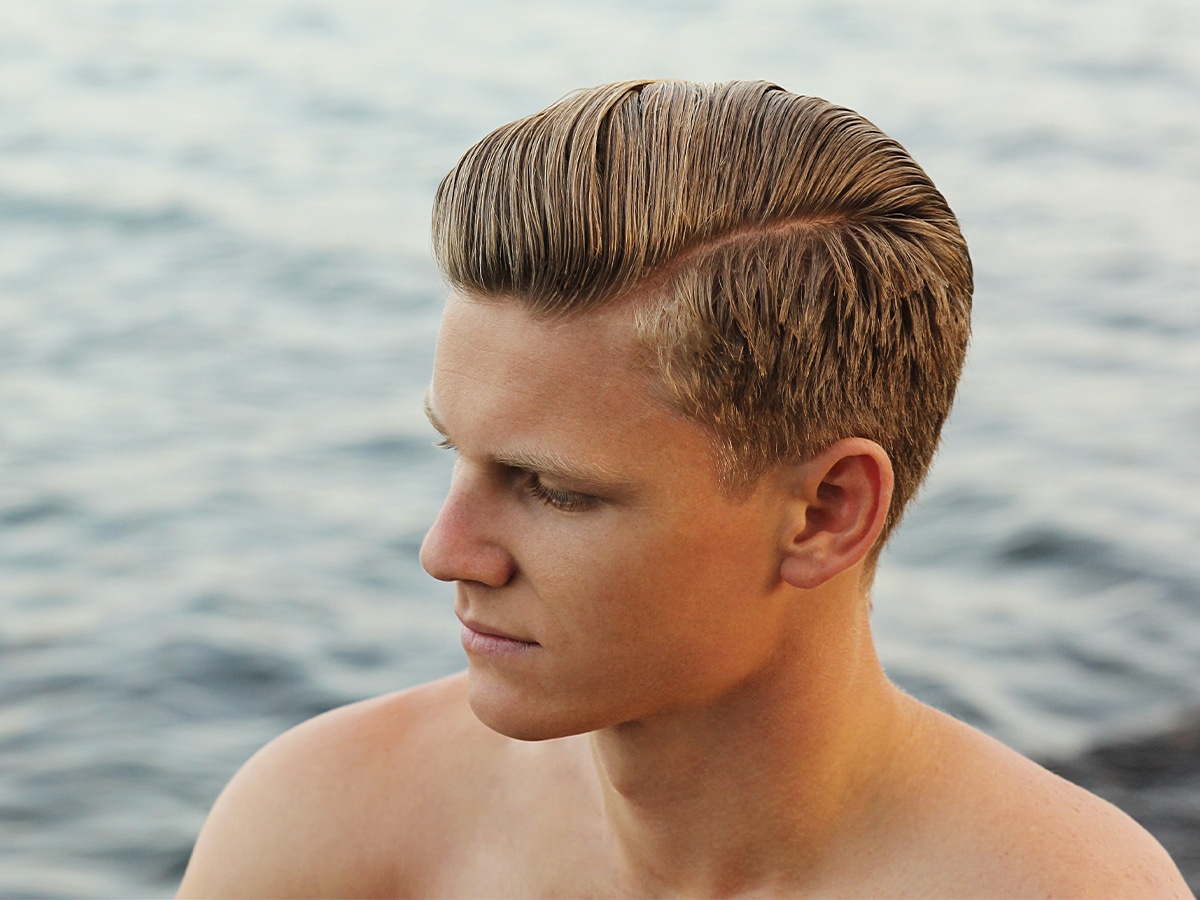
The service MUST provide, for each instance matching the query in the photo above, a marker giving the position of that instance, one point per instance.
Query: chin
(525, 715)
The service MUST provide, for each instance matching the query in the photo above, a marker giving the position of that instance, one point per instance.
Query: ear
(839, 505)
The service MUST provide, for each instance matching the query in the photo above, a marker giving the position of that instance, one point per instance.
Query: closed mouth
(479, 638)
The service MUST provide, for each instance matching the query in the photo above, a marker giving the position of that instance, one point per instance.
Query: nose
(463, 542)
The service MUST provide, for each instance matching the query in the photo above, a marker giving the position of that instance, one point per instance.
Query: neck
(766, 782)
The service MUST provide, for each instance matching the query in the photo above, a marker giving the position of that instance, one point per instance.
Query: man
(699, 347)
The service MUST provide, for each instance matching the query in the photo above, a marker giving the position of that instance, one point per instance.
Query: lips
(487, 640)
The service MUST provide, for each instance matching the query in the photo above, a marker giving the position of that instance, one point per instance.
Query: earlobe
(839, 508)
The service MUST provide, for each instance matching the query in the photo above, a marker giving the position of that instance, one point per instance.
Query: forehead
(576, 386)
(496, 350)
(501, 325)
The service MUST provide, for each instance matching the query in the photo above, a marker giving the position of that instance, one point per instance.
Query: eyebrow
(545, 463)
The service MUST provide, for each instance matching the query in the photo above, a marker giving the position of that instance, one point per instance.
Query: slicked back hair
(800, 278)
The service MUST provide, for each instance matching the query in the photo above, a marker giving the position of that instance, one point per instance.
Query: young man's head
(691, 329)
(796, 277)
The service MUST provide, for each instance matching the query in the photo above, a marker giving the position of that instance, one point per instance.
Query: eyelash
(560, 500)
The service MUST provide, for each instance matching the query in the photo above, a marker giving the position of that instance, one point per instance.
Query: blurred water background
(217, 310)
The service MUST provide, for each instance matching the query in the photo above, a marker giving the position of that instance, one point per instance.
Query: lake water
(217, 310)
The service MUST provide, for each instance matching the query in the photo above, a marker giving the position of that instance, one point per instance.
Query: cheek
(680, 581)
(597, 578)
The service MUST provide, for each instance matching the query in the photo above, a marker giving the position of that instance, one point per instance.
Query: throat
(758, 792)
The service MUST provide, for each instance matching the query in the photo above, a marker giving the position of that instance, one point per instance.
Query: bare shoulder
(344, 804)
(1023, 831)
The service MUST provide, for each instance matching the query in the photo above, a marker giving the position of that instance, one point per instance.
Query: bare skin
(671, 692)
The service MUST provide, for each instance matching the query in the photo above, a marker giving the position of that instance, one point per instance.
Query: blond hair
(807, 280)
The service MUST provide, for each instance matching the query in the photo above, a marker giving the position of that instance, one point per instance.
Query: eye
(445, 444)
(561, 500)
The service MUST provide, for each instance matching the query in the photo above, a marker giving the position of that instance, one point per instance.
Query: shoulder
(346, 802)
(1023, 830)
(1071, 843)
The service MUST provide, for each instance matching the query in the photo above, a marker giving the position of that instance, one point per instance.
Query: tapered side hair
(800, 278)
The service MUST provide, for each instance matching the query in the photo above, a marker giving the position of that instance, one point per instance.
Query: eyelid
(564, 501)
(578, 499)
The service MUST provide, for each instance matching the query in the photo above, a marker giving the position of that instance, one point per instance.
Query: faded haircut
(800, 279)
